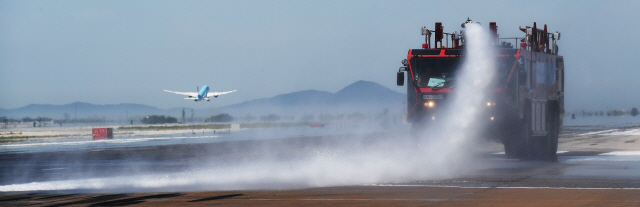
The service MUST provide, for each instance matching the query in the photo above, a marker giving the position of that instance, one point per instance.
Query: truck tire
(545, 147)
(551, 142)
(518, 145)
(514, 147)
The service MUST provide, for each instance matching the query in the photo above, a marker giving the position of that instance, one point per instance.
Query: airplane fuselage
(202, 94)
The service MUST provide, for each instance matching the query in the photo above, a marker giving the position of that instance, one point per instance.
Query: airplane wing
(192, 94)
(214, 94)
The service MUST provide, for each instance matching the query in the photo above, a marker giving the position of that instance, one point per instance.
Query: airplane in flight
(202, 94)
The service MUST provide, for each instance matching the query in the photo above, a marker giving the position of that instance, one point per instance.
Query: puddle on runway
(88, 144)
(611, 165)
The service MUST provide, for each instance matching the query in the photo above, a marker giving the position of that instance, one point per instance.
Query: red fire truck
(526, 106)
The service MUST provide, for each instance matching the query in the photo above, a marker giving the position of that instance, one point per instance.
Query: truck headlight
(429, 104)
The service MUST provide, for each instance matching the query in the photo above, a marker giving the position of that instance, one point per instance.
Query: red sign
(316, 125)
(102, 133)
(99, 133)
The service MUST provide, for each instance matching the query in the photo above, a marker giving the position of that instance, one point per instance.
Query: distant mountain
(361, 96)
(367, 92)
(81, 110)
(301, 98)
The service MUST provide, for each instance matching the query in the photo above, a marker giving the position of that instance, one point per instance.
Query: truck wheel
(551, 145)
(545, 147)
(513, 147)
(516, 145)
(526, 136)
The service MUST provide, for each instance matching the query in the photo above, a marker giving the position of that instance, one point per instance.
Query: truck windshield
(441, 72)
(434, 72)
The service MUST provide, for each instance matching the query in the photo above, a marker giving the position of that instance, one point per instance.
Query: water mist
(442, 151)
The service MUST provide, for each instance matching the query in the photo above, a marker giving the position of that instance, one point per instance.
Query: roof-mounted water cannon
(464, 25)
(427, 39)
(537, 40)
(457, 39)
(556, 36)
(439, 35)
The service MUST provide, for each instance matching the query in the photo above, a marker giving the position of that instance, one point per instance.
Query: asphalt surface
(592, 169)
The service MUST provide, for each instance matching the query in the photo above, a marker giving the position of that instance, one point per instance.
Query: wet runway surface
(345, 196)
(573, 169)
(592, 169)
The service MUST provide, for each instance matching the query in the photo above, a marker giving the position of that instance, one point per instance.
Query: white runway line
(90, 142)
(629, 132)
(599, 132)
(615, 156)
(348, 199)
(623, 153)
(503, 187)
(502, 153)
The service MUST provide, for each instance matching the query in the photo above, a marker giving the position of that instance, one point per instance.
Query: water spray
(353, 161)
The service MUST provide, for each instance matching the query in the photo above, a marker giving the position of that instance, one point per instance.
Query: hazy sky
(109, 52)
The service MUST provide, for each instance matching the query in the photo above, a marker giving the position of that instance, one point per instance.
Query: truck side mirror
(400, 79)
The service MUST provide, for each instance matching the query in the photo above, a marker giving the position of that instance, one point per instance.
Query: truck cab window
(435, 72)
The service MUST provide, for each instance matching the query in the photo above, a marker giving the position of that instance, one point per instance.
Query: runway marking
(623, 153)
(361, 199)
(57, 168)
(615, 156)
(91, 142)
(614, 132)
(344, 199)
(502, 153)
(503, 187)
(599, 132)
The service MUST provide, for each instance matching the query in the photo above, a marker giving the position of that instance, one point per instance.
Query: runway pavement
(347, 196)
(594, 168)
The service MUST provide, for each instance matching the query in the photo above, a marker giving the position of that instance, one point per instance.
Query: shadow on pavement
(92, 200)
(217, 197)
(137, 200)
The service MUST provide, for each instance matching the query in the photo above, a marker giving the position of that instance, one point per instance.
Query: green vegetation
(615, 113)
(177, 127)
(154, 119)
(270, 117)
(39, 119)
(267, 125)
(14, 139)
(210, 126)
(20, 138)
(220, 118)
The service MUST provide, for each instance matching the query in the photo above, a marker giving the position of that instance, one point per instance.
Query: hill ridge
(360, 96)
